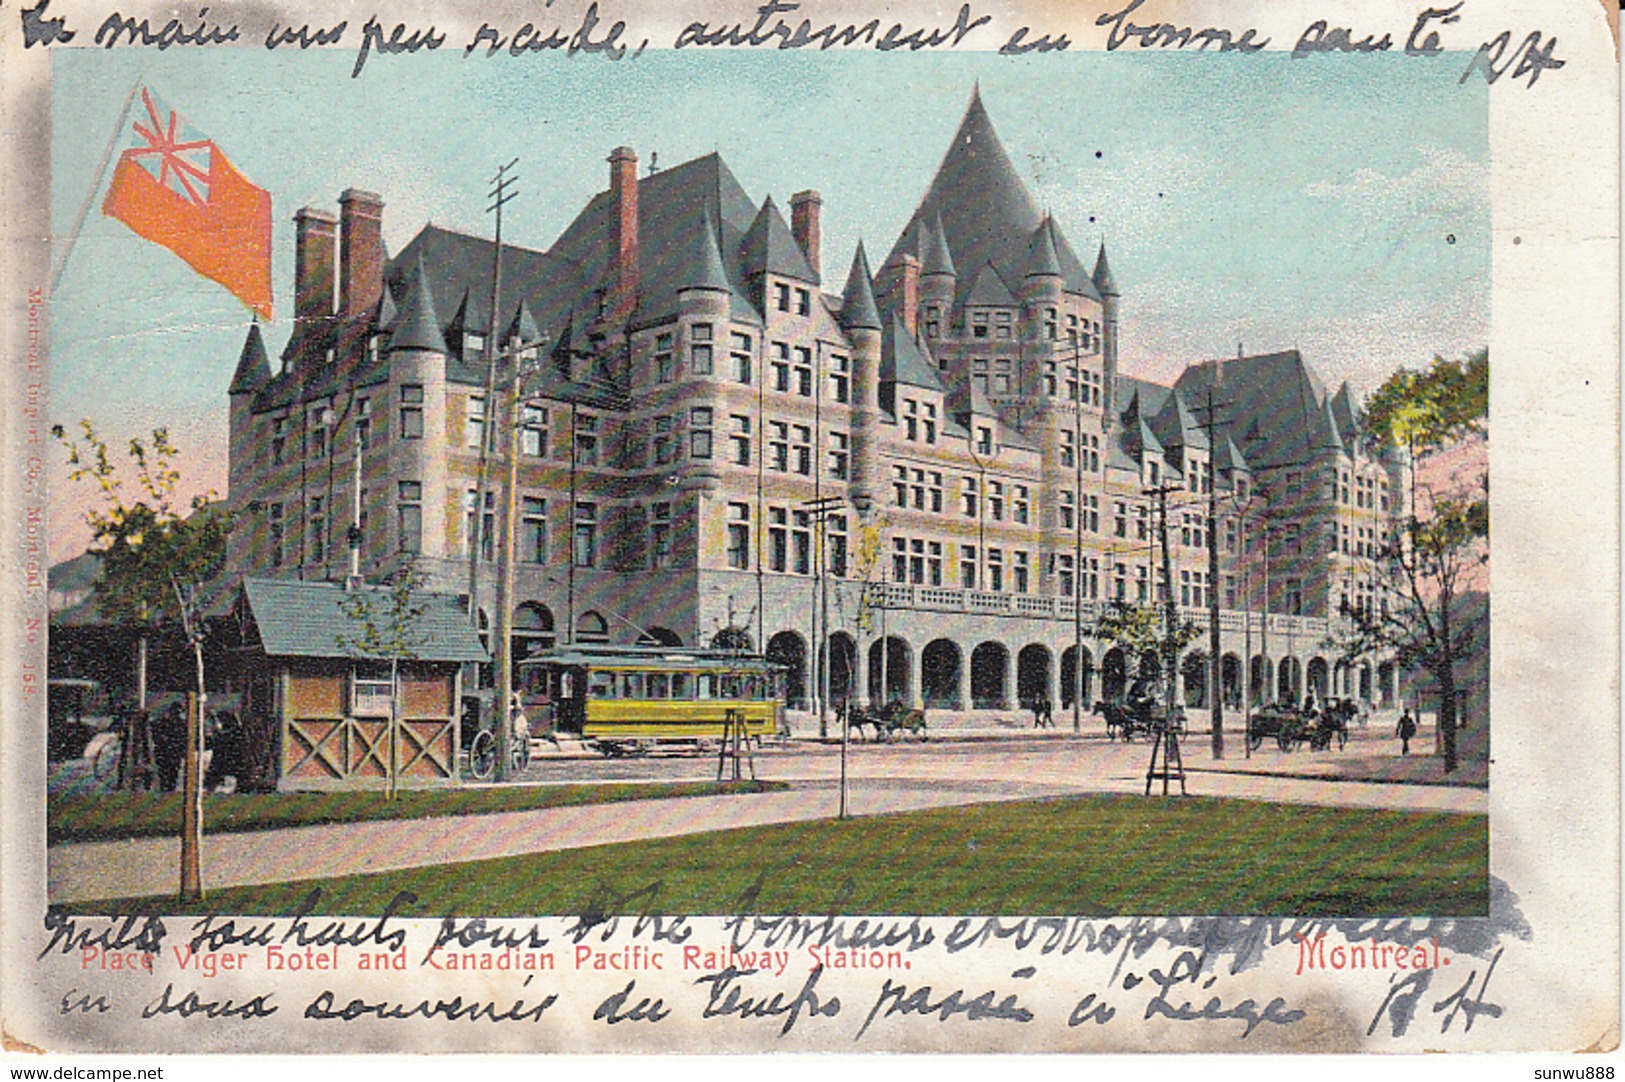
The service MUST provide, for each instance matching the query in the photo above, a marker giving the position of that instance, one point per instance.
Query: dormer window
(1006, 324)
(979, 325)
(984, 440)
(803, 302)
(473, 346)
(781, 296)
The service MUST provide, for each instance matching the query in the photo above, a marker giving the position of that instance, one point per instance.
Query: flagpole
(90, 196)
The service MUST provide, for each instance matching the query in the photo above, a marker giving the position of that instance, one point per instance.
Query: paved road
(883, 779)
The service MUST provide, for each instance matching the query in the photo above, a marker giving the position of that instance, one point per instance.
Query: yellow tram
(628, 698)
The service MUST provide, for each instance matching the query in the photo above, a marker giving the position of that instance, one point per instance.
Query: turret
(1109, 315)
(416, 410)
(860, 318)
(253, 372)
(938, 279)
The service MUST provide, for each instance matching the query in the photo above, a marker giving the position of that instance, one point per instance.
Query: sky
(1339, 205)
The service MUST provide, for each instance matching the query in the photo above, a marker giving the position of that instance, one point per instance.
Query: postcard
(811, 527)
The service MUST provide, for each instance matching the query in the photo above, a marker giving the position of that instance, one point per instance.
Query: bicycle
(482, 751)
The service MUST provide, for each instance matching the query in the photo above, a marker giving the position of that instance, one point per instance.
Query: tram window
(682, 686)
(707, 686)
(631, 685)
(657, 685)
(566, 684)
(731, 687)
(601, 685)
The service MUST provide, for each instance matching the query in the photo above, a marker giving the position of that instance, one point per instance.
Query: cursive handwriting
(323, 1008)
(782, 36)
(133, 932)
(726, 998)
(190, 1004)
(900, 999)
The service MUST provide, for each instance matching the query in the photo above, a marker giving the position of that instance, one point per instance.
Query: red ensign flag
(175, 188)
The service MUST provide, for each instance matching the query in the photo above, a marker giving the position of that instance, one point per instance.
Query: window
(363, 422)
(781, 296)
(984, 440)
(933, 322)
(778, 538)
(839, 456)
(1090, 519)
(917, 488)
(935, 491)
(778, 445)
(781, 367)
(1091, 453)
(665, 359)
(930, 422)
(1005, 322)
(803, 302)
(739, 357)
(487, 526)
(318, 434)
(586, 535)
(801, 543)
(836, 540)
(318, 531)
(899, 560)
(409, 517)
(1065, 573)
(933, 563)
(412, 411)
(804, 381)
(967, 496)
(1294, 597)
(1001, 375)
(586, 435)
(279, 439)
(1119, 518)
(995, 500)
(916, 561)
(699, 349)
(739, 536)
(739, 438)
(1120, 585)
(699, 432)
(840, 378)
(660, 536)
(911, 419)
(1049, 378)
(1021, 572)
(276, 534)
(899, 485)
(533, 530)
(803, 449)
(474, 421)
(1069, 452)
(533, 431)
(665, 441)
(1068, 510)
(967, 567)
(1022, 503)
(1091, 577)
(979, 324)
(995, 570)
(473, 346)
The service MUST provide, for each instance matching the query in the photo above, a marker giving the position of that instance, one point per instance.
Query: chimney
(623, 195)
(900, 290)
(805, 208)
(361, 252)
(315, 234)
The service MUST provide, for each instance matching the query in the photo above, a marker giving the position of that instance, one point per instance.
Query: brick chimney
(314, 253)
(623, 197)
(900, 289)
(805, 210)
(361, 251)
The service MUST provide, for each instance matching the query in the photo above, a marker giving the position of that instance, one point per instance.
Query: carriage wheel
(482, 755)
(1255, 740)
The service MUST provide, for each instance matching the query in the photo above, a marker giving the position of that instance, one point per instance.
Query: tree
(1437, 548)
(387, 628)
(1137, 628)
(154, 559)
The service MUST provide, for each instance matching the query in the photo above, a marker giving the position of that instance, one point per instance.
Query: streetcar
(626, 700)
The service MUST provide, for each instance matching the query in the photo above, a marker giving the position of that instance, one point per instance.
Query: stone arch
(532, 630)
(939, 675)
(1114, 675)
(660, 636)
(591, 627)
(1365, 681)
(732, 638)
(1194, 679)
(790, 650)
(895, 671)
(1319, 682)
(1385, 684)
(989, 676)
(1081, 672)
(1230, 680)
(1289, 681)
(1259, 680)
(1033, 675)
(842, 655)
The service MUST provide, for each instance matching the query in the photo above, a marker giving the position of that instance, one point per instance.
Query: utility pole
(500, 196)
(1076, 398)
(1215, 668)
(1170, 617)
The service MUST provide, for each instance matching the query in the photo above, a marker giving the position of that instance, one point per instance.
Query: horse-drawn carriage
(1125, 720)
(888, 722)
(1291, 727)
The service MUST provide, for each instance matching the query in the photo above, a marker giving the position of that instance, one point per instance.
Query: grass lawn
(111, 816)
(1088, 855)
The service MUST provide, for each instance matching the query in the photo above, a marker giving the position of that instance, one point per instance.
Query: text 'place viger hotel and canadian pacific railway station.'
(718, 444)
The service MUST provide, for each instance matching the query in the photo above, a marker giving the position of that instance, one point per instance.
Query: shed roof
(307, 619)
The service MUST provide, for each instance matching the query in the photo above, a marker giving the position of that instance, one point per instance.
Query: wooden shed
(328, 703)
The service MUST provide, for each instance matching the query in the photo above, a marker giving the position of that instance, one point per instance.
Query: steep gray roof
(253, 366)
(987, 214)
(770, 248)
(419, 324)
(1229, 456)
(306, 619)
(989, 288)
(858, 309)
(1176, 426)
(934, 255)
(704, 269)
(1274, 403)
(1041, 258)
(903, 360)
(1102, 277)
(1343, 411)
(522, 326)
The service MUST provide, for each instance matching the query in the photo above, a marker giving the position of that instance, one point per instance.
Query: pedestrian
(1406, 730)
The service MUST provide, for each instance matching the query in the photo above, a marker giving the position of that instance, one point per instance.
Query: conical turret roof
(770, 248)
(1330, 438)
(1042, 261)
(418, 326)
(1102, 277)
(934, 254)
(253, 364)
(858, 308)
(522, 327)
(704, 268)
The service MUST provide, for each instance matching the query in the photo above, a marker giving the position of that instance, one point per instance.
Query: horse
(1118, 719)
